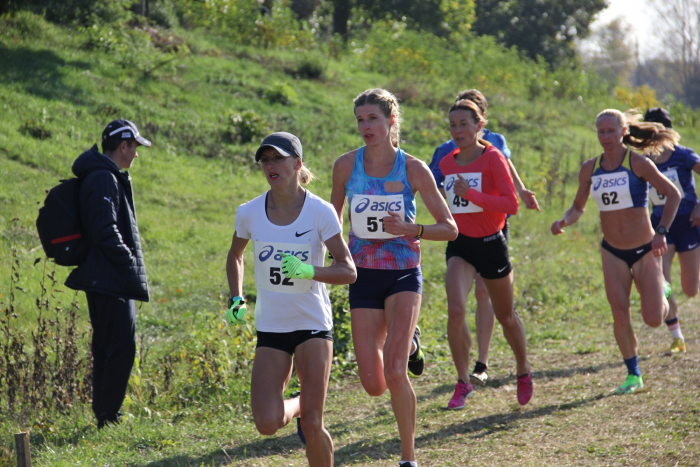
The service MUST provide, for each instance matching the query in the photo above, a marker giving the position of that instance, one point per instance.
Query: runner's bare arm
(574, 213)
(234, 265)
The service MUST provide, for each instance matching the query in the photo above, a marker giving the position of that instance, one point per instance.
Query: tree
(609, 52)
(545, 28)
(681, 40)
(441, 17)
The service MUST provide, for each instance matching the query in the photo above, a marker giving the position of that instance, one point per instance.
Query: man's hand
(236, 311)
(294, 268)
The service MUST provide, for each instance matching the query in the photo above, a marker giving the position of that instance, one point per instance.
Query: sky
(639, 15)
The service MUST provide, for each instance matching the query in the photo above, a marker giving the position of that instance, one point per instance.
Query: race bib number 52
(268, 266)
(367, 213)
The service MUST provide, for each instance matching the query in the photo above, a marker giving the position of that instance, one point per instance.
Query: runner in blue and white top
(678, 165)
(631, 250)
(290, 229)
(485, 318)
(380, 181)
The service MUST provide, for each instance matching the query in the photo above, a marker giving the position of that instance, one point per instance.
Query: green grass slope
(205, 102)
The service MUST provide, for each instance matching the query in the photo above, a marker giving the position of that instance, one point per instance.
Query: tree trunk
(341, 15)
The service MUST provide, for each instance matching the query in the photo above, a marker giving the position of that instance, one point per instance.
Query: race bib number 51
(367, 213)
(457, 204)
(268, 266)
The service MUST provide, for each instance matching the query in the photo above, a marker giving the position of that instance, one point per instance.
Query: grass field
(188, 401)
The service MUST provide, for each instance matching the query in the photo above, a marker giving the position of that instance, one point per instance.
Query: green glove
(236, 311)
(294, 268)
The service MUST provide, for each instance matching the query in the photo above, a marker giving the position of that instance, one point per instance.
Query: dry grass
(574, 418)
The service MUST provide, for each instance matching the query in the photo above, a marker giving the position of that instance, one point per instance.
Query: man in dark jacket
(113, 275)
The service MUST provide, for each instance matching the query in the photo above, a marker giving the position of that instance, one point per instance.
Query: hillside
(206, 101)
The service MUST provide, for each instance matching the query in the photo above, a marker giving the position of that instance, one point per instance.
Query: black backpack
(59, 225)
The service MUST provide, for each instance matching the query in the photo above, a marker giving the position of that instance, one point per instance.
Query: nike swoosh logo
(315, 332)
(402, 277)
(303, 233)
(639, 251)
(502, 269)
(690, 247)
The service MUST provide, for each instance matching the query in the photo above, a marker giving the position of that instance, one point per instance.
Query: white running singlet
(286, 305)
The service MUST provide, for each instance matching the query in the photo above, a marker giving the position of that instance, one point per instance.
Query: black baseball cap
(658, 115)
(123, 130)
(285, 143)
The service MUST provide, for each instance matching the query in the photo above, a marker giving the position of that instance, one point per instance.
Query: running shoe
(462, 392)
(677, 346)
(667, 290)
(524, 388)
(406, 464)
(416, 361)
(631, 384)
(479, 375)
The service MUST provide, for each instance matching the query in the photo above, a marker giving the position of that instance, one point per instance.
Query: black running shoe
(416, 361)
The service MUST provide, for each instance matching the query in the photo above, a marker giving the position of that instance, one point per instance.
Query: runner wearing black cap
(113, 275)
(678, 165)
(290, 229)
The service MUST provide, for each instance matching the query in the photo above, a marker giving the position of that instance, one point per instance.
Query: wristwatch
(233, 299)
(661, 230)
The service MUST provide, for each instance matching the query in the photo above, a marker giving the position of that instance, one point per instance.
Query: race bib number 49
(268, 266)
(459, 205)
(367, 213)
(657, 199)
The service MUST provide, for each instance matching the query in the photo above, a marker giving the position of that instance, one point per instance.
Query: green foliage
(80, 11)
(308, 65)
(280, 93)
(440, 17)
(36, 128)
(545, 28)
(247, 126)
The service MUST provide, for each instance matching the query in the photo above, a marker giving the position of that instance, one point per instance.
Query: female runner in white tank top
(290, 229)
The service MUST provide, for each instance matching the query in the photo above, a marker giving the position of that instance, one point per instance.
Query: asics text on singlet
(457, 204)
(618, 189)
(370, 245)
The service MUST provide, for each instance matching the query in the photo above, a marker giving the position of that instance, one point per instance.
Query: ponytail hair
(305, 175)
(388, 104)
(647, 137)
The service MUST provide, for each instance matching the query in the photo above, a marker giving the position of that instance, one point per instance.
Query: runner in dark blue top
(485, 318)
(683, 235)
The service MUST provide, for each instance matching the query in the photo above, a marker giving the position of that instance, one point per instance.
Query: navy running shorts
(681, 234)
(288, 341)
(489, 255)
(373, 286)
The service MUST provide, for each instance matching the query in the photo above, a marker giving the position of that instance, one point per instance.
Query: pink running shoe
(524, 388)
(462, 392)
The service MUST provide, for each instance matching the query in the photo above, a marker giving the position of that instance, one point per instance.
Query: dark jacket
(114, 265)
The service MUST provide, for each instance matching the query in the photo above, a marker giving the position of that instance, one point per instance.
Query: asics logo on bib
(268, 250)
(473, 183)
(377, 206)
(610, 183)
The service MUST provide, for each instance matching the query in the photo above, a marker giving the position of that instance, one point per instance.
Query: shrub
(280, 93)
(247, 126)
(310, 65)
